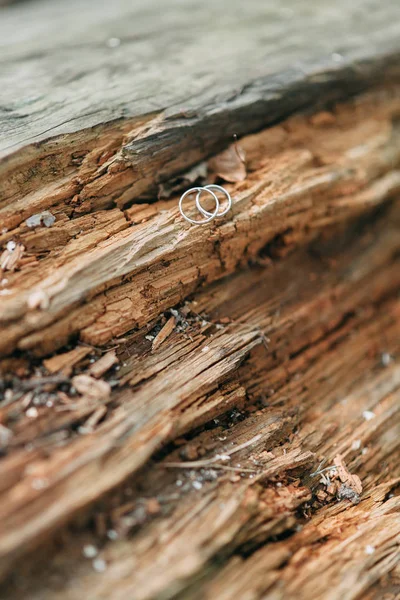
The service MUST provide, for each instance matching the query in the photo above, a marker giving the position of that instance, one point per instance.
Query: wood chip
(5, 436)
(332, 489)
(11, 257)
(352, 481)
(90, 388)
(229, 165)
(102, 365)
(92, 421)
(321, 495)
(153, 506)
(164, 333)
(66, 361)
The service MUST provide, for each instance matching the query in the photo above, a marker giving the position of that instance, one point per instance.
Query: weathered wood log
(304, 176)
(309, 396)
(199, 412)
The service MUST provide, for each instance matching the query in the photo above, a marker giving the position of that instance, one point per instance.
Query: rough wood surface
(324, 383)
(208, 61)
(173, 91)
(106, 272)
(199, 412)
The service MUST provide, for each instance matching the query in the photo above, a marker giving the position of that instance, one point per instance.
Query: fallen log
(200, 411)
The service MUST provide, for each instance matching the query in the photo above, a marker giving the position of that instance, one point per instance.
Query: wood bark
(200, 412)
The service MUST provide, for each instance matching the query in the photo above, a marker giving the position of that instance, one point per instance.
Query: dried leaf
(90, 388)
(229, 164)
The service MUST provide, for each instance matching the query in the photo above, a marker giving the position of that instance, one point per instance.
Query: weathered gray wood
(232, 66)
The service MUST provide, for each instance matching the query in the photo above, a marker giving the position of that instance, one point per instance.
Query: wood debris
(352, 481)
(351, 487)
(102, 365)
(91, 388)
(93, 420)
(11, 257)
(164, 333)
(65, 362)
(339, 483)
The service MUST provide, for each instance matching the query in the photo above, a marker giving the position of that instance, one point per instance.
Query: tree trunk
(210, 411)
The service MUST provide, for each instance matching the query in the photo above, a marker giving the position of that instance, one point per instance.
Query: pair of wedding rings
(207, 215)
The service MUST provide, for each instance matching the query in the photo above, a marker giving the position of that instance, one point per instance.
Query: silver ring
(219, 188)
(209, 216)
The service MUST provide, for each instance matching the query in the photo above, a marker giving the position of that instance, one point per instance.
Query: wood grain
(327, 317)
(174, 400)
(106, 272)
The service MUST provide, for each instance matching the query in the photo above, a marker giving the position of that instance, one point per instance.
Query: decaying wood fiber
(103, 273)
(288, 365)
(193, 413)
(288, 362)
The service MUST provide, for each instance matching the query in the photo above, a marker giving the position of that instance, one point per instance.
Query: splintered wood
(101, 274)
(65, 362)
(350, 483)
(164, 333)
(101, 366)
(199, 412)
(211, 414)
(10, 260)
(210, 505)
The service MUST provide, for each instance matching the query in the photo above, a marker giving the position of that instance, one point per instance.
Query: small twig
(194, 465)
(68, 407)
(215, 459)
(244, 445)
(236, 469)
(318, 472)
(33, 384)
